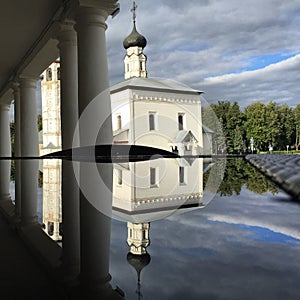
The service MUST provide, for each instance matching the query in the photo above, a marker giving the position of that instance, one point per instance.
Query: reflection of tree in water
(239, 173)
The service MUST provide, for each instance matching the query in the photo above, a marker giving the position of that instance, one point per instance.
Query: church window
(180, 121)
(58, 73)
(181, 175)
(127, 67)
(120, 177)
(153, 177)
(48, 74)
(141, 65)
(152, 121)
(50, 228)
(119, 122)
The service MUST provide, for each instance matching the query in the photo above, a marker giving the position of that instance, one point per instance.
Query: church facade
(154, 112)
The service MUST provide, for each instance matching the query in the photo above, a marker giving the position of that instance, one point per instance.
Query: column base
(7, 208)
(96, 290)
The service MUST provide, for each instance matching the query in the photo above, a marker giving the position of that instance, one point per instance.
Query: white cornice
(137, 97)
(171, 200)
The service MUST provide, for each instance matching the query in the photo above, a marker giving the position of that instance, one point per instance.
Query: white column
(69, 116)
(93, 74)
(5, 151)
(93, 79)
(17, 150)
(29, 142)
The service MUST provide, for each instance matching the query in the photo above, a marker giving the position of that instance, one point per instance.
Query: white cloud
(192, 41)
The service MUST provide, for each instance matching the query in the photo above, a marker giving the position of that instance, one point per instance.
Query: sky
(244, 51)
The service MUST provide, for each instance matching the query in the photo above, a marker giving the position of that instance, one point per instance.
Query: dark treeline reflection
(239, 173)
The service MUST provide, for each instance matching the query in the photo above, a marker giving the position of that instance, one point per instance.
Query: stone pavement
(21, 277)
(283, 169)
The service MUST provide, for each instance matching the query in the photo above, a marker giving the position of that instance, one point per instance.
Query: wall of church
(123, 182)
(166, 126)
(121, 108)
(157, 184)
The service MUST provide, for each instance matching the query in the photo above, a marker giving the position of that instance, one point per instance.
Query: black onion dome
(134, 39)
(138, 261)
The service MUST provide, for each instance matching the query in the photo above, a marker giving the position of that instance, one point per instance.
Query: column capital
(4, 106)
(15, 85)
(109, 7)
(67, 33)
(28, 82)
(94, 12)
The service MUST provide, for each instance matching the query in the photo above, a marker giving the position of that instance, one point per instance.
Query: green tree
(287, 127)
(255, 125)
(230, 116)
(296, 112)
(273, 125)
(219, 138)
(12, 136)
(238, 141)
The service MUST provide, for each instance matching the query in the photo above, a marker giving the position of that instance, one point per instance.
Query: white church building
(154, 112)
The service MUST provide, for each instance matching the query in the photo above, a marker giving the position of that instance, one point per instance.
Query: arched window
(119, 122)
(120, 177)
(48, 74)
(58, 73)
(152, 118)
(50, 228)
(180, 121)
(181, 175)
(153, 177)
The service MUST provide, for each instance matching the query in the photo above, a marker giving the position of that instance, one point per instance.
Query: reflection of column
(29, 140)
(5, 150)
(17, 150)
(93, 79)
(69, 116)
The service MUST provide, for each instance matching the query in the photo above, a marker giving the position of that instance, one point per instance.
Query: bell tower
(135, 60)
(138, 237)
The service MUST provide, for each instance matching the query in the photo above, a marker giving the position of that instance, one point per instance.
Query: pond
(244, 244)
(194, 229)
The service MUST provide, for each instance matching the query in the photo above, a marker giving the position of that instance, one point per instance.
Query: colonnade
(83, 75)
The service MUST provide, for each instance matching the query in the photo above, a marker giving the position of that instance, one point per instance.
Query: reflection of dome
(138, 261)
(134, 39)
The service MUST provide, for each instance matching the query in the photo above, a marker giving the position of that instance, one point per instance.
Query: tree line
(267, 124)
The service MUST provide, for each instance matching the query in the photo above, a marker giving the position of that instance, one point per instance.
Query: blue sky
(244, 51)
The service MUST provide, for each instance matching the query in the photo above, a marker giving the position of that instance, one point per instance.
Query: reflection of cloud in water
(207, 254)
(294, 233)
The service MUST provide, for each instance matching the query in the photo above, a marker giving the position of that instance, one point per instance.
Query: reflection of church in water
(163, 114)
(146, 111)
(158, 113)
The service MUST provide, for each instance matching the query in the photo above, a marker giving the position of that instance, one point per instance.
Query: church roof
(184, 136)
(153, 84)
